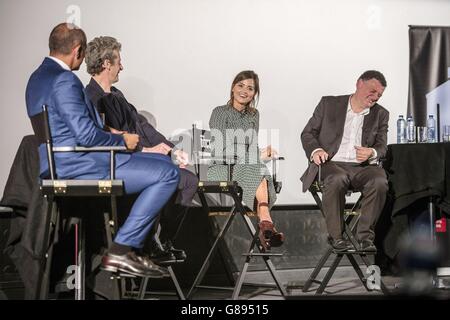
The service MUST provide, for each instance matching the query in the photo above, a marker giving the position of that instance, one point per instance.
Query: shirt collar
(61, 63)
(365, 112)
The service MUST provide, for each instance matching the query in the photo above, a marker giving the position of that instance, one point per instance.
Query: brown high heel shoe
(268, 235)
(265, 234)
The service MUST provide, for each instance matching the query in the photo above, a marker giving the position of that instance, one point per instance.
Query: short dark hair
(373, 74)
(64, 37)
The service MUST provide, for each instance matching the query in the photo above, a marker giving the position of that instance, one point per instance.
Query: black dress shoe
(133, 264)
(341, 245)
(368, 246)
(179, 254)
(161, 257)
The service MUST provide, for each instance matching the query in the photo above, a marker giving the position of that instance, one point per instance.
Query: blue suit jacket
(73, 122)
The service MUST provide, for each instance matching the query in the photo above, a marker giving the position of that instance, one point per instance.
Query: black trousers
(173, 212)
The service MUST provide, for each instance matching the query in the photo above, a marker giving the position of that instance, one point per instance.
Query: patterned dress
(236, 133)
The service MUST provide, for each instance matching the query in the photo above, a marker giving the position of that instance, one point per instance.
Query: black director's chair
(53, 189)
(202, 156)
(351, 218)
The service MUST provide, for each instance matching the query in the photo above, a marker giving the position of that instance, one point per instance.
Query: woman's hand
(182, 158)
(268, 153)
(115, 131)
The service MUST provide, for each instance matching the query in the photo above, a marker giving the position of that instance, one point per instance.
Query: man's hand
(362, 153)
(161, 148)
(320, 156)
(115, 131)
(131, 140)
(182, 158)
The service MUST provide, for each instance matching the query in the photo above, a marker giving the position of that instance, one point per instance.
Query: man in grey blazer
(346, 136)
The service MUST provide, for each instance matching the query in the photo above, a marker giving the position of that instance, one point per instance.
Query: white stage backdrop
(180, 57)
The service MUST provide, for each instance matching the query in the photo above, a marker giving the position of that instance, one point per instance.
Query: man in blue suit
(75, 122)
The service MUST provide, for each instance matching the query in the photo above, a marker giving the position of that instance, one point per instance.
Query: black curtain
(429, 59)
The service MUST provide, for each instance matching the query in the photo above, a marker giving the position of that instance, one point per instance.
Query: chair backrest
(277, 184)
(41, 129)
(202, 156)
(201, 151)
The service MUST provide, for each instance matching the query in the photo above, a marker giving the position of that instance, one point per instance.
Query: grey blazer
(326, 127)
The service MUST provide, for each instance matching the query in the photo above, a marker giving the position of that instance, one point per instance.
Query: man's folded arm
(73, 110)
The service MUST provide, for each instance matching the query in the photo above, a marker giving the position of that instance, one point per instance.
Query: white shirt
(351, 137)
(60, 62)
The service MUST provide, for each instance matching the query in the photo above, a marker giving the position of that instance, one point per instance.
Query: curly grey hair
(99, 50)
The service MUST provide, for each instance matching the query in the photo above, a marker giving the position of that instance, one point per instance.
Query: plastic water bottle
(410, 130)
(401, 130)
(431, 129)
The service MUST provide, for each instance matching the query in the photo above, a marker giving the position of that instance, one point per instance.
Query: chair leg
(114, 214)
(208, 258)
(51, 222)
(111, 229)
(317, 269)
(277, 280)
(143, 288)
(358, 271)
(240, 279)
(329, 274)
(178, 290)
(266, 257)
(144, 284)
(81, 261)
(108, 229)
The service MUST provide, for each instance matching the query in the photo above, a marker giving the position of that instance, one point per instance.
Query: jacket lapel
(367, 126)
(340, 115)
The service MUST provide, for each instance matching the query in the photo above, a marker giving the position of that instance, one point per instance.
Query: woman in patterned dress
(234, 130)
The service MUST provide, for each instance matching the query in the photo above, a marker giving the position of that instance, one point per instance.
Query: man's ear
(359, 83)
(78, 51)
(105, 64)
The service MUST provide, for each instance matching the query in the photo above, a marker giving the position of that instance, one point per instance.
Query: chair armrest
(380, 161)
(90, 149)
(6, 209)
(222, 160)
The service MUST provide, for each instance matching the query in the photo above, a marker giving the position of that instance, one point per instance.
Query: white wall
(180, 57)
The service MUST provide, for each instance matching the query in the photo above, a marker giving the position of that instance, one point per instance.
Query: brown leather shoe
(133, 264)
(269, 236)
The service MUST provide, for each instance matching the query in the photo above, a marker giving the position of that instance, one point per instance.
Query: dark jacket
(326, 127)
(122, 115)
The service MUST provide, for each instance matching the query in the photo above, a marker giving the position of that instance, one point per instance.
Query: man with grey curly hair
(104, 64)
(102, 53)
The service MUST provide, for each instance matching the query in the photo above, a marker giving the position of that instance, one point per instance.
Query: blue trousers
(155, 177)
